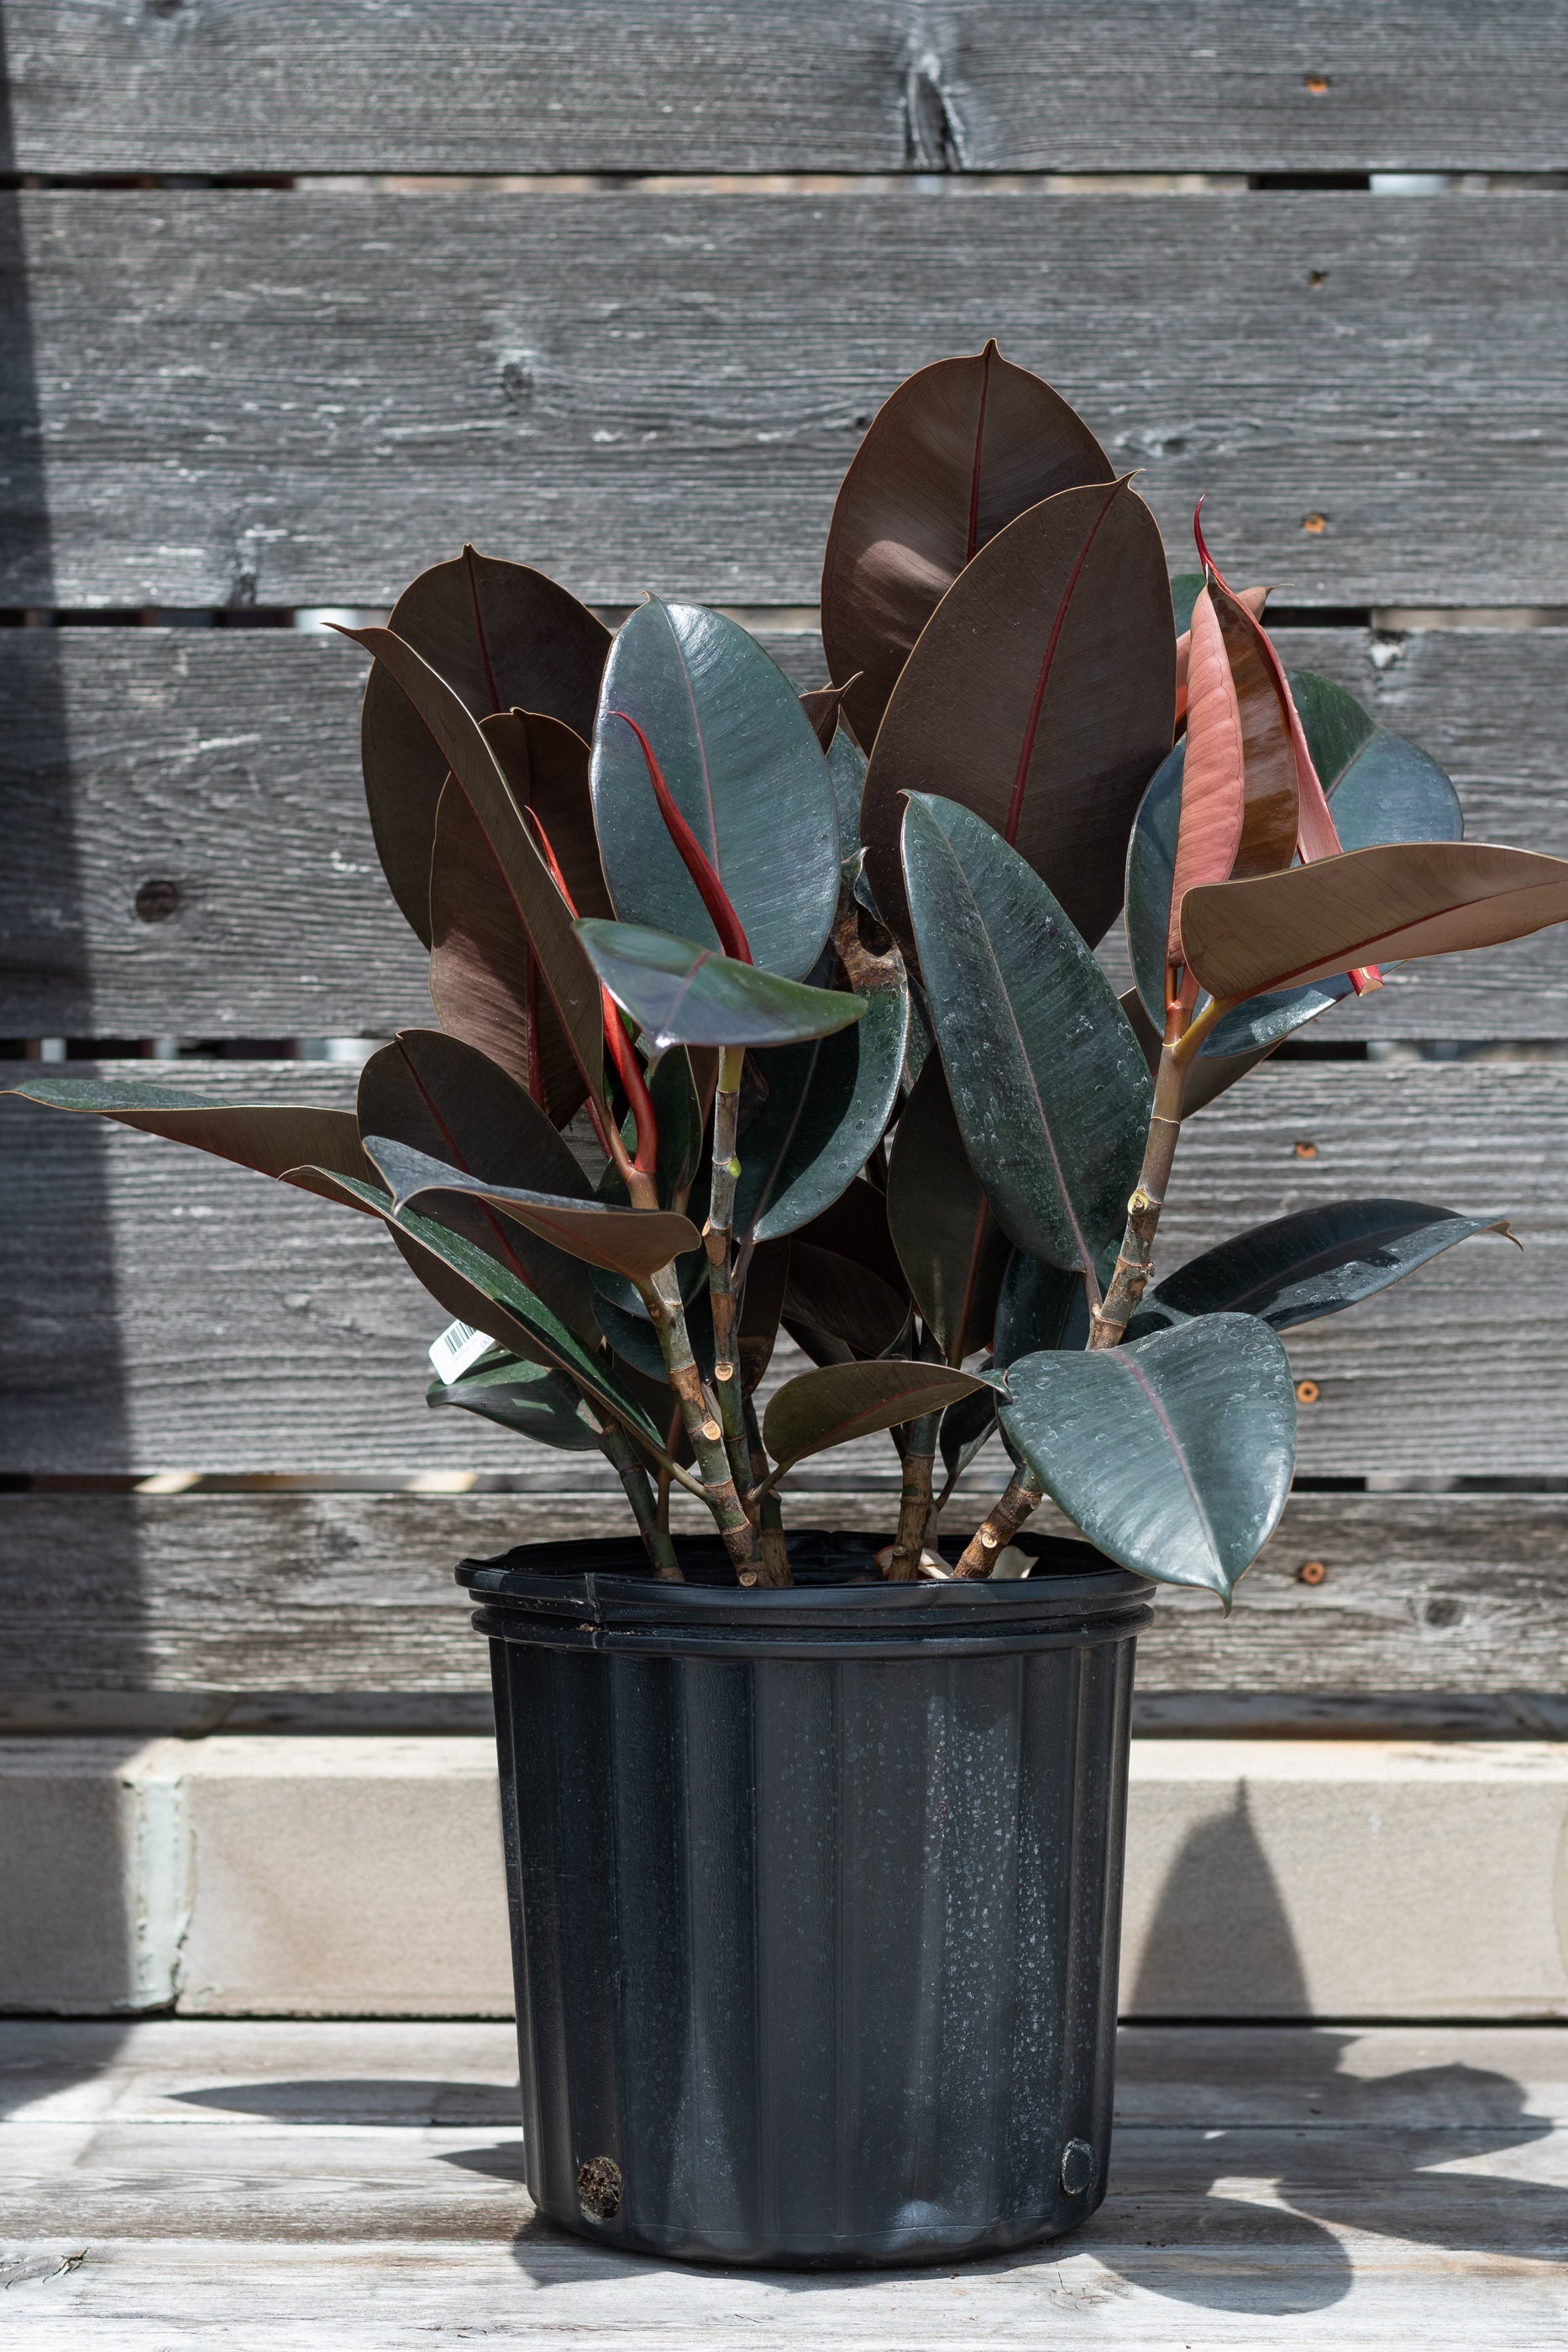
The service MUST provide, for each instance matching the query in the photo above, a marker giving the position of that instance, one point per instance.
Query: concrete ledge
(333, 1876)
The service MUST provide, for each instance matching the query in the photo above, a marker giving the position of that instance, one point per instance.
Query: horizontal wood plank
(240, 397)
(330, 1594)
(226, 763)
(164, 1310)
(699, 85)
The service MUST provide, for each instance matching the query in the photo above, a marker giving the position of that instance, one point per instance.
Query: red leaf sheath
(1318, 836)
(622, 1053)
(710, 889)
(1212, 777)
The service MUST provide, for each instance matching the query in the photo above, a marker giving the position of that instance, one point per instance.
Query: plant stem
(1184, 1037)
(915, 1499)
(997, 1530)
(662, 1298)
(773, 1552)
(1127, 1284)
(651, 1519)
(727, 1398)
(717, 1233)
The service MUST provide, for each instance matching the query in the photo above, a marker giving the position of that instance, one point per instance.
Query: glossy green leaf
(530, 1399)
(828, 1102)
(1407, 899)
(485, 982)
(682, 1169)
(544, 914)
(746, 771)
(435, 1095)
(1315, 1262)
(1171, 1453)
(635, 1342)
(1206, 1077)
(838, 1402)
(957, 453)
(632, 1242)
(1048, 1081)
(847, 765)
(519, 1318)
(616, 1290)
(672, 1088)
(1186, 587)
(274, 1139)
(681, 995)
(966, 1428)
(503, 637)
(659, 1401)
(763, 1288)
(1041, 696)
(951, 1248)
(1334, 723)
(1038, 1306)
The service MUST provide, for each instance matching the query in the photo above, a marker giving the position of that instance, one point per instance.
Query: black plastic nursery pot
(815, 1896)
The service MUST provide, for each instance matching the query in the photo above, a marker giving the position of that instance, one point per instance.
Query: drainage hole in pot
(1077, 2167)
(598, 2187)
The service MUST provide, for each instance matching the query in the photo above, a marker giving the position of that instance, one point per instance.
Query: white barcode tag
(458, 1347)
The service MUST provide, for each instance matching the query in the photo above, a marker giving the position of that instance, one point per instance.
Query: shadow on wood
(49, 937)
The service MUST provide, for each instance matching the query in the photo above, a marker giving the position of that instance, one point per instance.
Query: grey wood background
(168, 1309)
(228, 764)
(237, 397)
(245, 396)
(702, 85)
(287, 1592)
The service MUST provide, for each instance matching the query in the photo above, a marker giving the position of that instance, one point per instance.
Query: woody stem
(717, 1232)
(652, 1517)
(999, 1525)
(662, 1296)
(772, 1551)
(915, 1498)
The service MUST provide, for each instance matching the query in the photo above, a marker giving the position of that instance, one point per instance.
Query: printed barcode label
(458, 1347)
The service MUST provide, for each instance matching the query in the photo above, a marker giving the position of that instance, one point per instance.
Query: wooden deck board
(360, 2185)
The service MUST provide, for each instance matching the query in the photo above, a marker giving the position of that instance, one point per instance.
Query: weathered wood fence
(618, 292)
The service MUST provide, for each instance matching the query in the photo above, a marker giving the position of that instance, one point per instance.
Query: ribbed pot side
(815, 1908)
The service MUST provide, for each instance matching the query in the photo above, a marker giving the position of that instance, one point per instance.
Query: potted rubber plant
(758, 1013)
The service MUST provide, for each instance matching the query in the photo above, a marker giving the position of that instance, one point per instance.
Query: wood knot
(157, 900)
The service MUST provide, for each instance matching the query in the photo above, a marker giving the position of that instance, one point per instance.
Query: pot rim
(573, 1604)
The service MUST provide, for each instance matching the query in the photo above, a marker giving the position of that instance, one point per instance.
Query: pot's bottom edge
(919, 2246)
